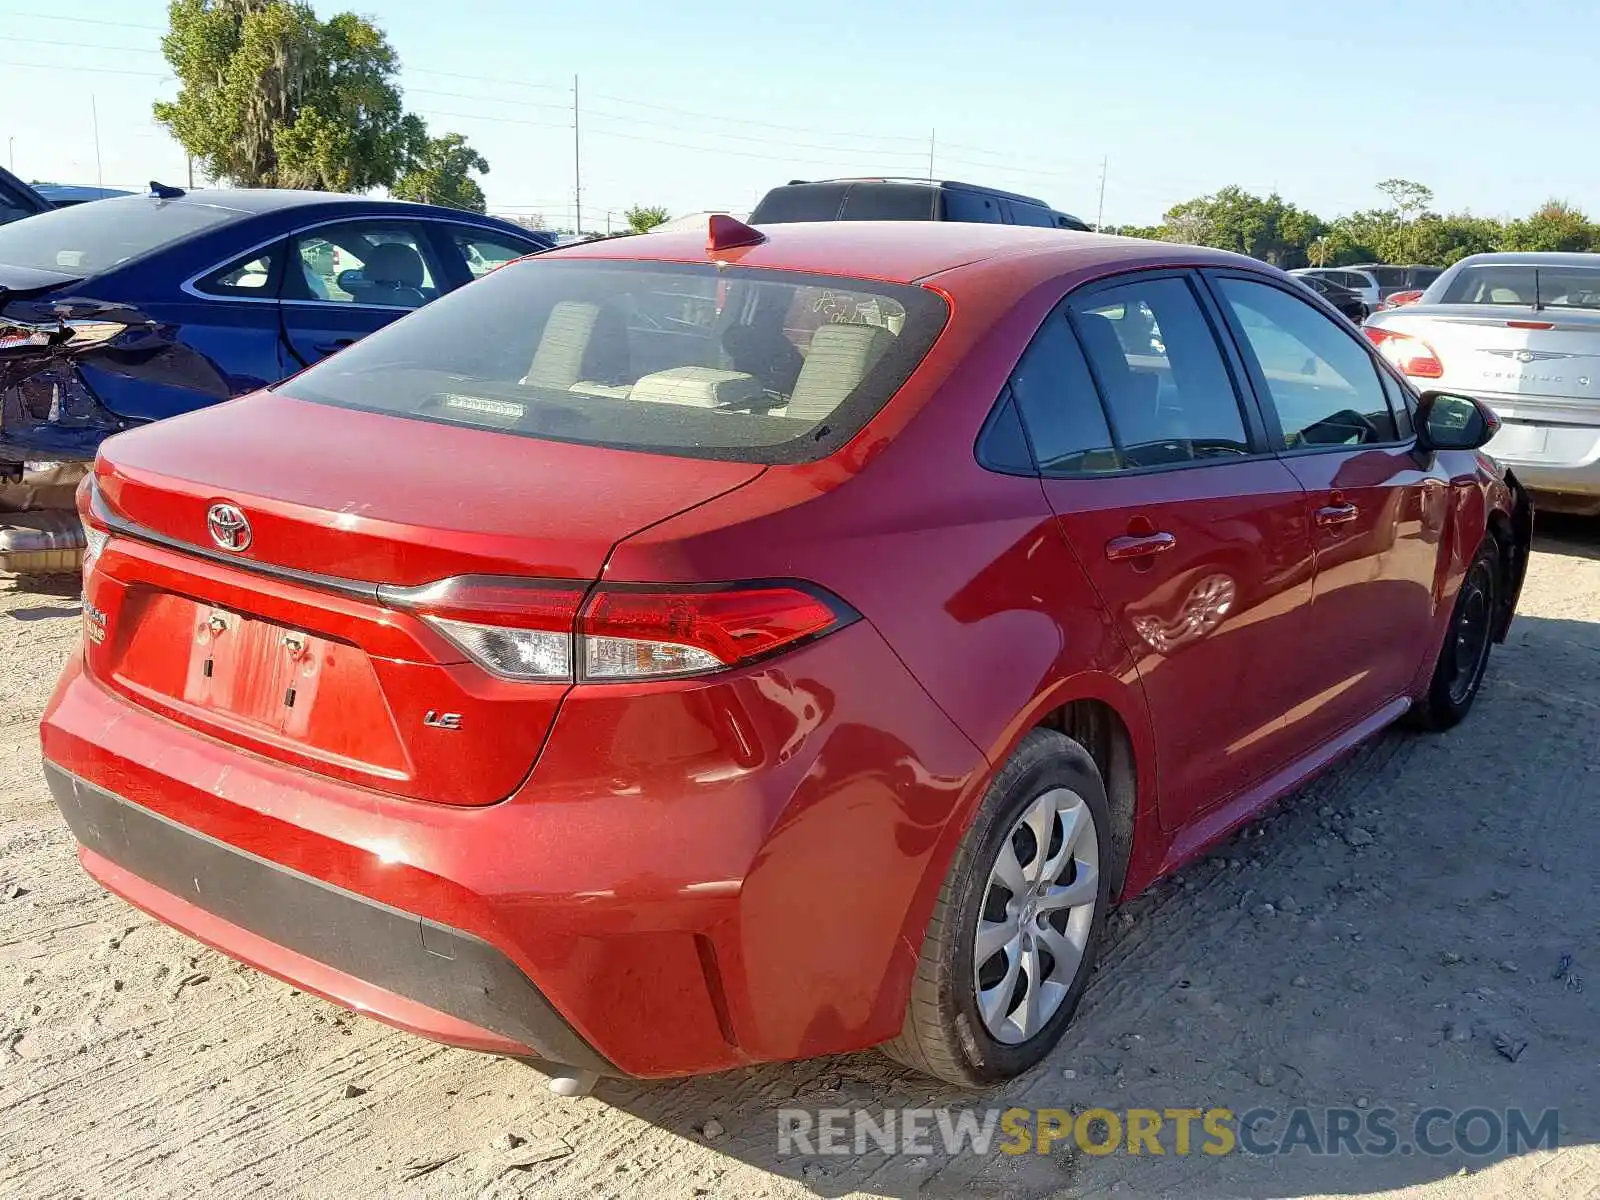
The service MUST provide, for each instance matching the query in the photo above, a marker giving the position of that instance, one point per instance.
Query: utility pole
(932, 137)
(11, 145)
(190, 157)
(99, 175)
(1100, 215)
(577, 165)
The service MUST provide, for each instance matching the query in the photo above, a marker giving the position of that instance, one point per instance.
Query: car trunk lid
(1535, 354)
(283, 646)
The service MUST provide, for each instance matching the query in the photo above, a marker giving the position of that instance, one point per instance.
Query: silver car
(1522, 333)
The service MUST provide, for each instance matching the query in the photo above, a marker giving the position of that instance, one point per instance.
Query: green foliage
(441, 173)
(1233, 219)
(1556, 226)
(642, 219)
(272, 97)
(1406, 232)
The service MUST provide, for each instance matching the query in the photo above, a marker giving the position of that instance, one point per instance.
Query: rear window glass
(87, 239)
(1525, 286)
(890, 202)
(802, 202)
(750, 365)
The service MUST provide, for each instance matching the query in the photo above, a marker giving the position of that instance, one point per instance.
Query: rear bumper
(693, 878)
(417, 974)
(1552, 453)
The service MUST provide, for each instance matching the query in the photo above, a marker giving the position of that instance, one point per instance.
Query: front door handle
(1121, 549)
(1337, 514)
(334, 346)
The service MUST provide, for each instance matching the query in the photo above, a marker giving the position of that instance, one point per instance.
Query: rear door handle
(1120, 549)
(1337, 514)
(334, 346)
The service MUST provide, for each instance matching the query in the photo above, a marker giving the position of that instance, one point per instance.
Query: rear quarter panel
(964, 572)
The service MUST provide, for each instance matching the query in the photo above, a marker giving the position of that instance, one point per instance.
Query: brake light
(640, 634)
(1401, 299)
(1530, 324)
(545, 631)
(1411, 355)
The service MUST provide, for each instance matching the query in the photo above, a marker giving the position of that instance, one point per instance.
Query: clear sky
(704, 105)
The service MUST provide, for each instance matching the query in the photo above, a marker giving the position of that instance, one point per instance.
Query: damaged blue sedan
(136, 308)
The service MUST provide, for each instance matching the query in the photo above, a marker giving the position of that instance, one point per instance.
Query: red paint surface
(709, 872)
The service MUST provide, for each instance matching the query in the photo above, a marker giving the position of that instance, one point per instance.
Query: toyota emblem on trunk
(229, 527)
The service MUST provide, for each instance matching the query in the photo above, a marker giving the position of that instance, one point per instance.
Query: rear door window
(1060, 407)
(1320, 381)
(484, 252)
(961, 205)
(1030, 214)
(1167, 389)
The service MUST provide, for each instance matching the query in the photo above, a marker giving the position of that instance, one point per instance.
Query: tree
(642, 220)
(272, 97)
(1233, 219)
(1407, 196)
(441, 173)
(1555, 226)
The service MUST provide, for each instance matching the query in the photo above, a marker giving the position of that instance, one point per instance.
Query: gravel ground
(1424, 895)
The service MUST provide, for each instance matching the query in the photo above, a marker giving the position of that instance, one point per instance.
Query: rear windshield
(801, 202)
(754, 366)
(1525, 286)
(87, 239)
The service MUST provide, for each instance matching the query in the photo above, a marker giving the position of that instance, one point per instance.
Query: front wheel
(1014, 932)
(1458, 675)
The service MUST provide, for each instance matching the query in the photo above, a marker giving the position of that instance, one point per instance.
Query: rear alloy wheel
(1464, 657)
(1012, 941)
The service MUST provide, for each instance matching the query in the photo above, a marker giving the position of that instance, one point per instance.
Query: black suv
(904, 200)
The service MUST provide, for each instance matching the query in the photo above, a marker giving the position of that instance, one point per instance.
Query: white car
(1520, 332)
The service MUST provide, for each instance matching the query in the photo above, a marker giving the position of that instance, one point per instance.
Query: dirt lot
(1423, 897)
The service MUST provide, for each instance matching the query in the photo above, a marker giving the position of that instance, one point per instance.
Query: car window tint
(890, 202)
(1031, 214)
(1168, 391)
(250, 277)
(971, 206)
(1060, 406)
(1321, 381)
(362, 262)
(484, 253)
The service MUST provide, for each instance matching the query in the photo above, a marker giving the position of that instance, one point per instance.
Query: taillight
(521, 629)
(647, 634)
(537, 630)
(95, 535)
(1411, 355)
(1401, 299)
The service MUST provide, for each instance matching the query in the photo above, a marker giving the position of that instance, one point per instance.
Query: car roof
(909, 251)
(1534, 258)
(949, 185)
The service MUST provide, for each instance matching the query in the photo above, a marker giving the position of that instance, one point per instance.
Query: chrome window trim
(190, 286)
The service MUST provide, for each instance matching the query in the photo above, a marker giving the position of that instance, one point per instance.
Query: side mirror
(1446, 422)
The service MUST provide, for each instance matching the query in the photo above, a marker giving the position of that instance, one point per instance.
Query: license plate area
(240, 675)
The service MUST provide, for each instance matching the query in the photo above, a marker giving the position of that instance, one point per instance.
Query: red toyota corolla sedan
(673, 653)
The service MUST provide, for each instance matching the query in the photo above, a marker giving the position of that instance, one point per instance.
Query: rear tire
(1458, 675)
(973, 1023)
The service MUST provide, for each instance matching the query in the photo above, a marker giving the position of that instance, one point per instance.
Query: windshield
(87, 239)
(1526, 286)
(756, 366)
